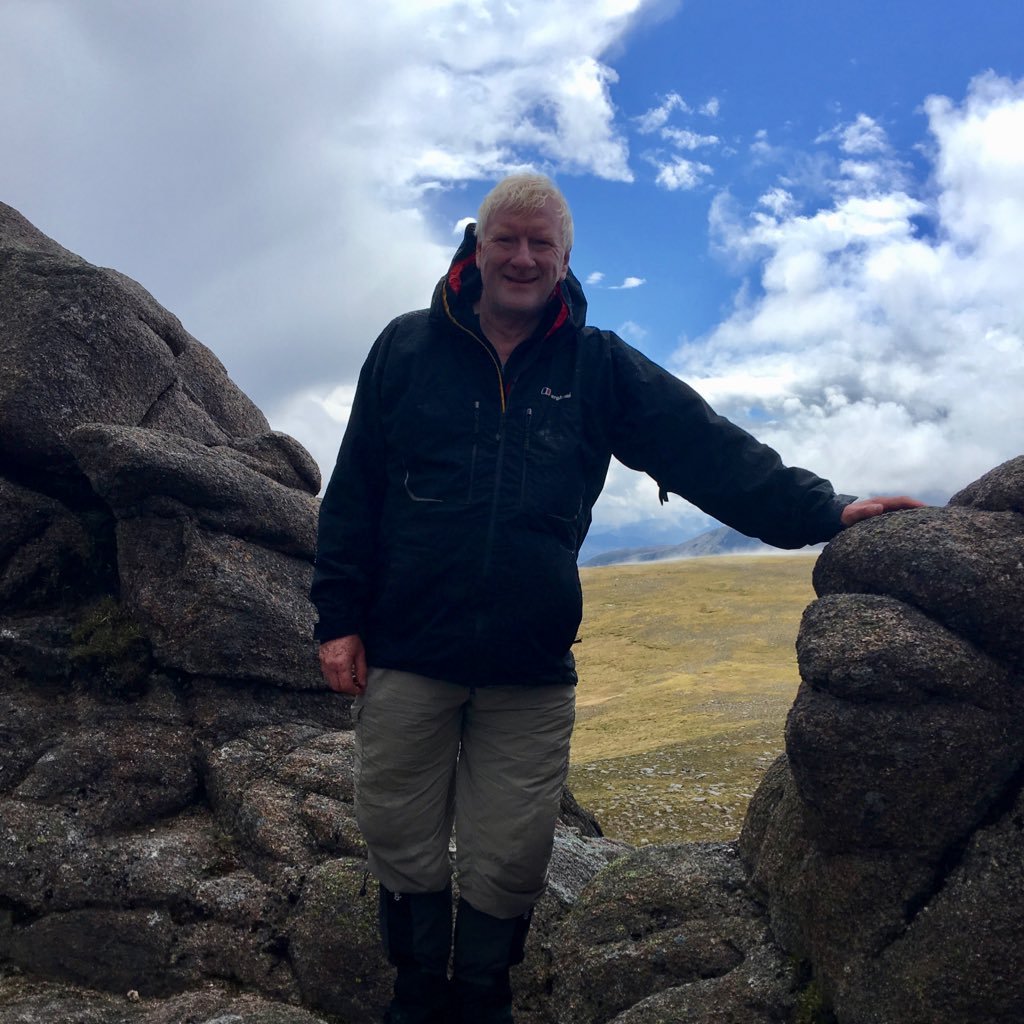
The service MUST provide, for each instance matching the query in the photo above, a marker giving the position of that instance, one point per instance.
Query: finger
(337, 672)
(344, 685)
(860, 510)
(336, 681)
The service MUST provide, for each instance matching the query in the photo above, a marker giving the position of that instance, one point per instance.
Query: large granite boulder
(888, 844)
(80, 344)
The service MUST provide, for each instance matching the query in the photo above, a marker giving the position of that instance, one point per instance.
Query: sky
(811, 212)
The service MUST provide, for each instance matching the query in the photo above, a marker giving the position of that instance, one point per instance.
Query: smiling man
(447, 588)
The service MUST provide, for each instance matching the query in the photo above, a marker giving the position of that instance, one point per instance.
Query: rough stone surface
(660, 918)
(962, 567)
(888, 844)
(177, 831)
(999, 490)
(143, 473)
(216, 605)
(80, 344)
(45, 551)
(29, 1001)
(278, 456)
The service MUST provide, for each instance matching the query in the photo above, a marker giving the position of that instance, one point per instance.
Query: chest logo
(548, 393)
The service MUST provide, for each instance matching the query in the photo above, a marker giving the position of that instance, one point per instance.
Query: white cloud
(657, 117)
(860, 137)
(632, 332)
(887, 356)
(682, 138)
(778, 201)
(865, 135)
(710, 108)
(318, 417)
(596, 277)
(680, 173)
(761, 148)
(629, 282)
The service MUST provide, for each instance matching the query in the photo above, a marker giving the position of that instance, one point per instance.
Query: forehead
(544, 220)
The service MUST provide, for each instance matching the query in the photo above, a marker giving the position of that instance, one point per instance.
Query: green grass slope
(687, 671)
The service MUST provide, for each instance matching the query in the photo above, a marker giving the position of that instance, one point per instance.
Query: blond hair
(525, 193)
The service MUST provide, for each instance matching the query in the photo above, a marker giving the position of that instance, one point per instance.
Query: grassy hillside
(687, 670)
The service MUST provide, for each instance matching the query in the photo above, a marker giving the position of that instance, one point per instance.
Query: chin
(519, 302)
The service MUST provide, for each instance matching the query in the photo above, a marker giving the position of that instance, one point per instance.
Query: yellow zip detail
(483, 344)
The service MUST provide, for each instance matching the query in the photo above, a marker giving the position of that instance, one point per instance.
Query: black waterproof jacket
(463, 489)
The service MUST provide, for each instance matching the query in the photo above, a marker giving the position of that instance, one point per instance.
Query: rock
(578, 817)
(906, 777)
(110, 949)
(757, 991)
(116, 765)
(962, 567)
(215, 605)
(869, 648)
(99, 349)
(335, 947)
(893, 828)
(224, 710)
(286, 792)
(144, 473)
(46, 553)
(960, 957)
(176, 783)
(999, 490)
(659, 918)
(575, 860)
(278, 456)
(28, 1001)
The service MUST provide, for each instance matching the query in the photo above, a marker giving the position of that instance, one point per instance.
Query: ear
(565, 266)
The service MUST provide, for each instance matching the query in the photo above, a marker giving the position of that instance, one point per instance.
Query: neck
(505, 332)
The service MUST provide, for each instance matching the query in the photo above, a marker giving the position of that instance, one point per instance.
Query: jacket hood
(460, 288)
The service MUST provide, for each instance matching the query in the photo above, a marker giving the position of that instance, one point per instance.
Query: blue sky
(813, 212)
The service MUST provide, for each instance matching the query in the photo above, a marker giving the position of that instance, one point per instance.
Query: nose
(522, 254)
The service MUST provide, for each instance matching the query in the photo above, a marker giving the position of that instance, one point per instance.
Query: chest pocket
(552, 458)
(436, 439)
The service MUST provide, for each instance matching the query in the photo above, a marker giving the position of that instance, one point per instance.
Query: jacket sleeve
(664, 428)
(350, 512)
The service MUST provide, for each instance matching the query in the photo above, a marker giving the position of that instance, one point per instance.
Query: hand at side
(343, 663)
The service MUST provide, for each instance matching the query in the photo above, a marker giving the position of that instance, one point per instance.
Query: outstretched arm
(865, 508)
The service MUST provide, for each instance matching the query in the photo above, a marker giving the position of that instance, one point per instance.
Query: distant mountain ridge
(721, 541)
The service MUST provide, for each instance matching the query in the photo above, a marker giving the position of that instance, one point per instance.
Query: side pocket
(526, 456)
(475, 449)
(416, 497)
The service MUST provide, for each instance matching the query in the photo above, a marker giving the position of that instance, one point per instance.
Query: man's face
(521, 259)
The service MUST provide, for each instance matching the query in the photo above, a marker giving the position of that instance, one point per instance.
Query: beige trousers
(491, 760)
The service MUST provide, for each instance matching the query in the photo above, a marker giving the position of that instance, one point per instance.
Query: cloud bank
(880, 338)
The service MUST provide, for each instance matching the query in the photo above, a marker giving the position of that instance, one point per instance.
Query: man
(447, 587)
